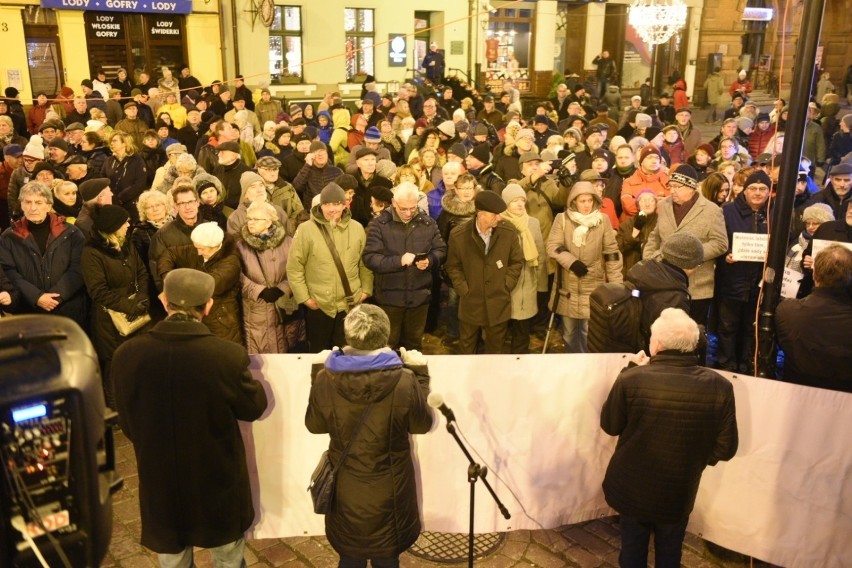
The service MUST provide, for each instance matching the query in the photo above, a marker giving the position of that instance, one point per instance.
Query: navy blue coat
(738, 281)
(388, 238)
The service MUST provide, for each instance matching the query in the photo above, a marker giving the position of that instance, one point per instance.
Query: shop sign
(397, 50)
(138, 6)
(165, 27)
(104, 26)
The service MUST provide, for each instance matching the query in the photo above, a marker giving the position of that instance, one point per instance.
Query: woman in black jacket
(116, 279)
(126, 172)
(375, 514)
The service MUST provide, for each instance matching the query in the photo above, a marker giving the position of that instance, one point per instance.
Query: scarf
(159, 225)
(391, 138)
(584, 224)
(521, 223)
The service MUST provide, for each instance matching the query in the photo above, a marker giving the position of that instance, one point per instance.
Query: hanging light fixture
(656, 21)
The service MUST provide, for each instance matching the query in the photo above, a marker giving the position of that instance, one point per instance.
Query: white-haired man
(673, 418)
(403, 246)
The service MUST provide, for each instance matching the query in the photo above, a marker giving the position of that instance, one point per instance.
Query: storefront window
(421, 38)
(43, 55)
(285, 45)
(360, 37)
(508, 51)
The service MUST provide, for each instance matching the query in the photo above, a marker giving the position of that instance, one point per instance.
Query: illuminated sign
(758, 14)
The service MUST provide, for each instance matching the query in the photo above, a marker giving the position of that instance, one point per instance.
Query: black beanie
(109, 218)
(758, 177)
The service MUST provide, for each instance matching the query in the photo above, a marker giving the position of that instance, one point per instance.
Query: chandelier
(656, 21)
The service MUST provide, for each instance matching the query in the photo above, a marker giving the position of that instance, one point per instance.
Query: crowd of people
(445, 207)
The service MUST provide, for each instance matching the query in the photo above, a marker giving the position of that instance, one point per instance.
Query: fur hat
(366, 328)
(683, 250)
(188, 287)
(643, 120)
(820, 212)
(207, 234)
(108, 219)
(511, 192)
(686, 175)
(332, 193)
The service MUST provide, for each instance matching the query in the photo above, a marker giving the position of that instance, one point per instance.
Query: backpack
(615, 319)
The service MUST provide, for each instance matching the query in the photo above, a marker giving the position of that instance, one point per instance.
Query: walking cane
(552, 303)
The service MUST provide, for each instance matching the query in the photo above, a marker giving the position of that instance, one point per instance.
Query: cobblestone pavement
(588, 545)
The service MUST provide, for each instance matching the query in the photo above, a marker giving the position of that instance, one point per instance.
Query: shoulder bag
(347, 289)
(324, 476)
(122, 324)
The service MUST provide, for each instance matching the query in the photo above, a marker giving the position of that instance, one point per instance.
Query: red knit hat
(649, 149)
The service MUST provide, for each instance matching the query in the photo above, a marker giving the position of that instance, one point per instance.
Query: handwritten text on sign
(820, 244)
(749, 247)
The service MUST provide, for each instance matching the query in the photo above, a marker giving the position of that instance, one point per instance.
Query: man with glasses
(176, 232)
(403, 246)
(738, 281)
(686, 211)
(506, 164)
(837, 193)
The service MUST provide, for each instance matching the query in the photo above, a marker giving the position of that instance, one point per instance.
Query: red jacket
(637, 182)
(759, 139)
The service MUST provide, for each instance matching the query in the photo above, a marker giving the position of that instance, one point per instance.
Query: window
(360, 36)
(285, 45)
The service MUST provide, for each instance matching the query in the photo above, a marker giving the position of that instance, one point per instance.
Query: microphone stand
(475, 472)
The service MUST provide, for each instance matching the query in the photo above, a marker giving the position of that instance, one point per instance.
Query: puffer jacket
(739, 280)
(388, 238)
(57, 271)
(657, 182)
(376, 513)
(264, 265)
(311, 269)
(574, 291)
(657, 464)
(661, 285)
(224, 266)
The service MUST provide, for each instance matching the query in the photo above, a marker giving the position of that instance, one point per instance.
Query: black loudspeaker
(58, 464)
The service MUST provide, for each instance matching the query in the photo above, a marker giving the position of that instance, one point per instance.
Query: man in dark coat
(175, 233)
(180, 395)
(315, 174)
(484, 263)
(376, 515)
(40, 255)
(673, 418)
(738, 282)
(403, 246)
(434, 64)
(228, 170)
(813, 332)
(837, 193)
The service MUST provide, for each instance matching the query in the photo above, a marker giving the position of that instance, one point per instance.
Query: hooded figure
(583, 243)
(340, 137)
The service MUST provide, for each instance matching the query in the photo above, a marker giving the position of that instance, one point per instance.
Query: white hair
(265, 207)
(406, 190)
(674, 329)
(450, 167)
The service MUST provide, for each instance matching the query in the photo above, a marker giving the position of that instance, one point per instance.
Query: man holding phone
(403, 246)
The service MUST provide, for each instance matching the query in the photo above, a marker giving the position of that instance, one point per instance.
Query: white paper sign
(820, 244)
(750, 247)
(790, 283)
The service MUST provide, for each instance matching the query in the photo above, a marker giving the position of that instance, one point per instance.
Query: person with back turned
(673, 418)
(368, 396)
(180, 395)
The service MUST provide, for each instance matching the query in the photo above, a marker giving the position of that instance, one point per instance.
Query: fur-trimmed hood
(257, 243)
(451, 204)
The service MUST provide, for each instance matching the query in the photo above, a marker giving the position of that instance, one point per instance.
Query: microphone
(435, 400)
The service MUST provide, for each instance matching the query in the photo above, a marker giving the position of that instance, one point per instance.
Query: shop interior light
(656, 21)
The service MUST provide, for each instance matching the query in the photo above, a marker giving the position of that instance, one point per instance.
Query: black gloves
(140, 309)
(578, 268)
(640, 221)
(270, 295)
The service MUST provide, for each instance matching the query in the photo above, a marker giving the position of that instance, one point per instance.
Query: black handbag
(324, 476)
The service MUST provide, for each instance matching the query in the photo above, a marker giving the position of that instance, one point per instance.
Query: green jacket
(311, 269)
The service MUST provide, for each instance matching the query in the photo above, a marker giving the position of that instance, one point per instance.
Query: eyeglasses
(466, 188)
(185, 203)
(757, 188)
(407, 209)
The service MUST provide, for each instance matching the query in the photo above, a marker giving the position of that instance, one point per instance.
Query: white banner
(535, 420)
(749, 247)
